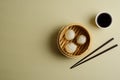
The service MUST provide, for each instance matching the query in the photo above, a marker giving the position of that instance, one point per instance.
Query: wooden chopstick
(95, 55)
(94, 51)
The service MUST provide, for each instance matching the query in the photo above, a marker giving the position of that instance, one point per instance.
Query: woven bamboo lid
(62, 41)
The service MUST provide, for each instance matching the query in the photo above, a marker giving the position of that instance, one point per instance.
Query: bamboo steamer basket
(62, 41)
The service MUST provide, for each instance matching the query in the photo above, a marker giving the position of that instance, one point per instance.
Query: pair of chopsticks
(83, 59)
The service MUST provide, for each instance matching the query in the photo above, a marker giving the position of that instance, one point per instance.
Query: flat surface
(28, 30)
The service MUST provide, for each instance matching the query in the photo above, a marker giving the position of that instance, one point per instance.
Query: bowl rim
(98, 16)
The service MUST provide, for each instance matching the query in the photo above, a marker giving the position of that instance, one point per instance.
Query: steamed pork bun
(81, 39)
(70, 34)
(71, 47)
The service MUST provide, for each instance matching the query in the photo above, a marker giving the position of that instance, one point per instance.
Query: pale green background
(28, 30)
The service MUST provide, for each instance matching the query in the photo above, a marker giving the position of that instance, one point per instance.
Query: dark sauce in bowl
(104, 20)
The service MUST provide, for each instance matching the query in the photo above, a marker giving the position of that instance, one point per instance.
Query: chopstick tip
(71, 67)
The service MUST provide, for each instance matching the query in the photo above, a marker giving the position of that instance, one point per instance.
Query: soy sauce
(104, 20)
